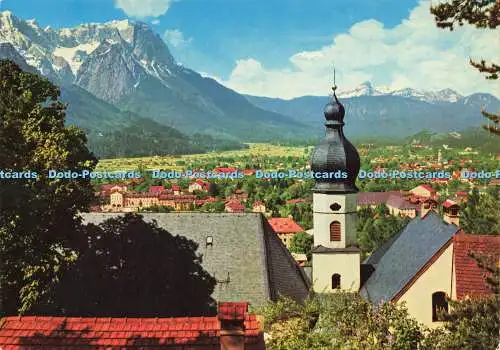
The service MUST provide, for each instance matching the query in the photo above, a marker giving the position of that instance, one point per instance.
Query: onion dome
(335, 161)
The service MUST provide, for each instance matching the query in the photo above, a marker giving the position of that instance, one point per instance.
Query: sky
(287, 48)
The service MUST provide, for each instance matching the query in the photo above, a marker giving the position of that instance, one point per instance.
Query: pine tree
(481, 14)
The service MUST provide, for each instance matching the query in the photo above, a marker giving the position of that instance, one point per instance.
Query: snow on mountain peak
(368, 89)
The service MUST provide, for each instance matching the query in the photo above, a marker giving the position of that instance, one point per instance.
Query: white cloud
(415, 54)
(143, 8)
(176, 38)
(155, 22)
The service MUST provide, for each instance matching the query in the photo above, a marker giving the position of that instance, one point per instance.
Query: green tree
(37, 215)
(480, 214)
(127, 266)
(302, 242)
(339, 321)
(481, 14)
(376, 226)
(471, 324)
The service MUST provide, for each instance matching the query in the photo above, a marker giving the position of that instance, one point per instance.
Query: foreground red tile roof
(284, 225)
(132, 333)
(470, 278)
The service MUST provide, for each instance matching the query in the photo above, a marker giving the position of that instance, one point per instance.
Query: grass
(171, 162)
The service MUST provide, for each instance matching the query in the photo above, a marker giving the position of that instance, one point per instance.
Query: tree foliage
(376, 226)
(481, 14)
(471, 324)
(480, 214)
(126, 266)
(37, 215)
(339, 321)
(302, 243)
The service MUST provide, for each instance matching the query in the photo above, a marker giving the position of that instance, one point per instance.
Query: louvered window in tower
(335, 231)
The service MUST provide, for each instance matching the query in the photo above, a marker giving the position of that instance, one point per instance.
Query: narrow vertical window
(439, 304)
(336, 281)
(335, 231)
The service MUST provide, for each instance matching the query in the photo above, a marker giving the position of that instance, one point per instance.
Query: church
(423, 265)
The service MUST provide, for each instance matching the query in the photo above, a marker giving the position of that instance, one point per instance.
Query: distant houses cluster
(420, 199)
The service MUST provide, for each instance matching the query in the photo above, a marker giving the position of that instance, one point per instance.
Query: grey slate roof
(401, 258)
(244, 245)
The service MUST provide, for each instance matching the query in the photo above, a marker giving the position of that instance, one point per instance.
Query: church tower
(336, 257)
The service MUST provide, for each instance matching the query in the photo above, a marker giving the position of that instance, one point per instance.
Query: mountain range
(378, 111)
(119, 74)
(125, 66)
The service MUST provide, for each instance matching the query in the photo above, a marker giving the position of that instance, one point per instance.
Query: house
(176, 189)
(239, 195)
(451, 212)
(374, 199)
(106, 189)
(156, 189)
(425, 191)
(234, 206)
(198, 185)
(232, 329)
(240, 250)
(286, 228)
(399, 206)
(300, 258)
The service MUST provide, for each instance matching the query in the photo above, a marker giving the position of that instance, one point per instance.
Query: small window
(210, 240)
(439, 305)
(335, 231)
(336, 281)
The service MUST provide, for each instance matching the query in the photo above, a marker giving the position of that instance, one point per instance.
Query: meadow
(178, 162)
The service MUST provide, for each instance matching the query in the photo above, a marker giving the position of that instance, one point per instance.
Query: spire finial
(334, 87)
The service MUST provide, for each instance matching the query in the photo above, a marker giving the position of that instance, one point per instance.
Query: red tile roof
(35, 332)
(295, 201)
(156, 189)
(235, 206)
(428, 188)
(470, 278)
(224, 170)
(284, 225)
(449, 203)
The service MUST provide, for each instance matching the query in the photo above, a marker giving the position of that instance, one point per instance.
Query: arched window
(335, 231)
(439, 304)
(336, 281)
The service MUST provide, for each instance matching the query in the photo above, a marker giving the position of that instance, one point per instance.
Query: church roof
(399, 260)
(244, 247)
(335, 153)
(470, 278)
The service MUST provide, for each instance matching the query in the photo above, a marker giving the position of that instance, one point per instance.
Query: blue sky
(286, 47)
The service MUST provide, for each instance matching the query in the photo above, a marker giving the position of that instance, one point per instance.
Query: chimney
(426, 206)
(232, 325)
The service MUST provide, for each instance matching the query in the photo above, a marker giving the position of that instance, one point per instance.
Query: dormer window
(210, 240)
